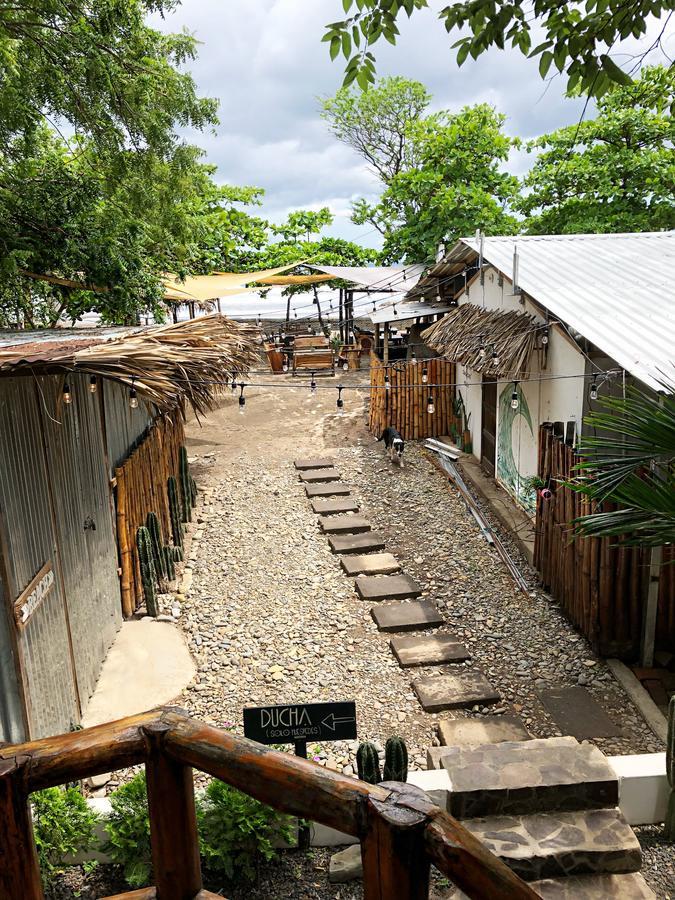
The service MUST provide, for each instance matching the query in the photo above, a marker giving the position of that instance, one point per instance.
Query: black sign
(300, 722)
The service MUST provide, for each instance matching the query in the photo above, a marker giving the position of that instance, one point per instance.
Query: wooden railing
(401, 832)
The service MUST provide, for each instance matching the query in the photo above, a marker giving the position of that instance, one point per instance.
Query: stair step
(428, 650)
(333, 507)
(387, 587)
(336, 489)
(401, 615)
(345, 524)
(439, 692)
(520, 777)
(316, 476)
(371, 564)
(317, 462)
(551, 845)
(595, 887)
(472, 732)
(356, 543)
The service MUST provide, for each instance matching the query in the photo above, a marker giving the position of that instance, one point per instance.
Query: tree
(456, 186)
(613, 173)
(303, 223)
(577, 40)
(376, 123)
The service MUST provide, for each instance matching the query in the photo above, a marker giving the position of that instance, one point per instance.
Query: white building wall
(469, 386)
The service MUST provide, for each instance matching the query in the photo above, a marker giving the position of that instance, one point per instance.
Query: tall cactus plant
(169, 564)
(368, 763)
(670, 771)
(153, 526)
(395, 760)
(174, 509)
(148, 578)
(185, 486)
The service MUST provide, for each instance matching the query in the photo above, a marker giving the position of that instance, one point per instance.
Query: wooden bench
(313, 353)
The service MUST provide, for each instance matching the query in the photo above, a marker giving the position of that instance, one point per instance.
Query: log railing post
(395, 862)
(173, 821)
(19, 869)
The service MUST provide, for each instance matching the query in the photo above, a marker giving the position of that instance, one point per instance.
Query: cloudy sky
(264, 61)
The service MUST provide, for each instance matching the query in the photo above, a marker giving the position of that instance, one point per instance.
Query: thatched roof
(170, 366)
(460, 335)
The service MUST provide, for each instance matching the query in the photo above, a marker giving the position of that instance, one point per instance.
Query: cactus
(185, 488)
(169, 567)
(395, 760)
(144, 547)
(670, 772)
(193, 491)
(174, 509)
(177, 554)
(368, 763)
(152, 524)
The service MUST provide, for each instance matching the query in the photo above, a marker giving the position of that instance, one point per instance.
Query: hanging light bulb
(295, 313)
(284, 364)
(258, 320)
(340, 401)
(544, 338)
(394, 308)
(67, 396)
(425, 375)
(242, 399)
(430, 405)
(133, 396)
(387, 385)
(413, 356)
(482, 351)
(312, 388)
(374, 306)
(515, 402)
(593, 393)
(345, 366)
(283, 335)
(495, 358)
(93, 384)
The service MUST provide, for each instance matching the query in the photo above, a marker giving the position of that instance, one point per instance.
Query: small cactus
(185, 487)
(368, 763)
(174, 509)
(148, 577)
(152, 524)
(670, 772)
(395, 760)
(193, 491)
(169, 566)
(177, 554)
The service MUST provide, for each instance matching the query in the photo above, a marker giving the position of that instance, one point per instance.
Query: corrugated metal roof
(617, 290)
(51, 345)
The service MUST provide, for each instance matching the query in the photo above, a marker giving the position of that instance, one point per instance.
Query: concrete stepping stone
(428, 650)
(316, 476)
(356, 543)
(595, 887)
(387, 587)
(333, 507)
(372, 564)
(552, 845)
(439, 692)
(345, 524)
(473, 732)
(317, 462)
(575, 711)
(399, 615)
(523, 777)
(336, 489)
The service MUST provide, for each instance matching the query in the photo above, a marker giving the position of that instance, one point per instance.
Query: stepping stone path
(356, 543)
(595, 887)
(315, 476)
(402, 616)
(387, 587)
(428, 650)
(315, 463)
(345, 524)
(472, 732)
(327, 490)
(576, 712)
(439, 692)
(372, 564)
(332, 507)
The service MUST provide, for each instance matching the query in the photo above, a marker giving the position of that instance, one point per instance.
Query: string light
(430, 405)
(93, 384)
(495, 357)
(340, 401)
(515, 402)
(284, 364)
(544, 338)
(67, 396)
(387, 385)
(425, 375)
(345, 365)
(413, 356)
(242, 399)
(258, 320)
(133, 397)
(234, 384)
(312, 387)
(593, 393)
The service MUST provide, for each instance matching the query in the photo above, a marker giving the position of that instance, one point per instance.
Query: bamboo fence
(404, 405)
(600, 586)
(142, 488)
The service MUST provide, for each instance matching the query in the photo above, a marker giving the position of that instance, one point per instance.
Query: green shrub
(63, 825)
(237, 831)
(129, 831)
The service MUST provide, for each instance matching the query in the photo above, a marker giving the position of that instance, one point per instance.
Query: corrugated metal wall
(124, 426)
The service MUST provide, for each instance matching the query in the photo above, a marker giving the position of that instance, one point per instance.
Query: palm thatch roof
(476, 337)
(169, 366)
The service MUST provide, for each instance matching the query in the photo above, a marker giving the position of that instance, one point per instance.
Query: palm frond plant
(630, 462)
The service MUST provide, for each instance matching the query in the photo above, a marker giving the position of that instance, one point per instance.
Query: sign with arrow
(301, 722)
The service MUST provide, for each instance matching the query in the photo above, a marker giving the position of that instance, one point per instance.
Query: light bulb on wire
(284, 364)
(242, 399)
(340, 401)
(387, 384)
(345, 366)
(234, 384)
(515, 402)
(593, 393)
(544, 338)
(133, 396)
(258, 320)
(413, 356)
(312, 388)
(495, 358)
(93, 384)
(67, 396)
(425, 375)
(430, 405)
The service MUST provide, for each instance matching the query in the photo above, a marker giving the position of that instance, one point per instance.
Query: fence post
(173, 821)
(20, 877)
(395, 863)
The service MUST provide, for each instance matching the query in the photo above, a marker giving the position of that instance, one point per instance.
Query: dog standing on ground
(394, 444)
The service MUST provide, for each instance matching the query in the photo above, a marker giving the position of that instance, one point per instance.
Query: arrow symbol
(332, 720)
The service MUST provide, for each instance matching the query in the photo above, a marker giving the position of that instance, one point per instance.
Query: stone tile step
(356, 543)
(372, 564)
(552, 845)
(333, 507)
(336, 489)
(575, 711)
(344, 524)
(317, 476)
(428, 650)
(401, 615)
(439, 692)
(473, 732)
(316, 462)
(521, 777)
(387, 587)
(588, 887)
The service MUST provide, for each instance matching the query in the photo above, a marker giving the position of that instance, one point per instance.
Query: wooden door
(488, 440)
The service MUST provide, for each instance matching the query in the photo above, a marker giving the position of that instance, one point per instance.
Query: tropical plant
(630, 460)
(63, 825)
(128, 827)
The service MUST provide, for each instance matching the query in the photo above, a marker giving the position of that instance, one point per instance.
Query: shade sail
(380, 278)
(221, 284)
(281, 280)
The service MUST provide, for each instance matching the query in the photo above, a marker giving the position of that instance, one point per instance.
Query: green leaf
(545, 63)
(334, 47)
(613, 71)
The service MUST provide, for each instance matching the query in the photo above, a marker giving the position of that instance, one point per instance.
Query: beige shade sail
(221, 284)
(281, 280)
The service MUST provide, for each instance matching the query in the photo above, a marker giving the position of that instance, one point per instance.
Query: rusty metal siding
(11, 716)
(124, 426)
(30, 543)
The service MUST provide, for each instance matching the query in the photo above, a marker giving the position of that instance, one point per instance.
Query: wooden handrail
(400, 830)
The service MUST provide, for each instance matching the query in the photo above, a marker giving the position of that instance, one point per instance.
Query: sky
(266, 64)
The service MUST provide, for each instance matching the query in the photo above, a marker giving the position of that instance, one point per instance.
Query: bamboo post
(173, 820)
(19, 868)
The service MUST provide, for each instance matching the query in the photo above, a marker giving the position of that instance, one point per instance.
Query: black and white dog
(394, 444)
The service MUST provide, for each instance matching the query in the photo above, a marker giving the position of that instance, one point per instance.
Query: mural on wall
(508, 456)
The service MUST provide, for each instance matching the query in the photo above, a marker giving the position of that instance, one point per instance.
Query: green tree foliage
(63, 826)
(615, 172)
(577, 38)
(128, 827)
